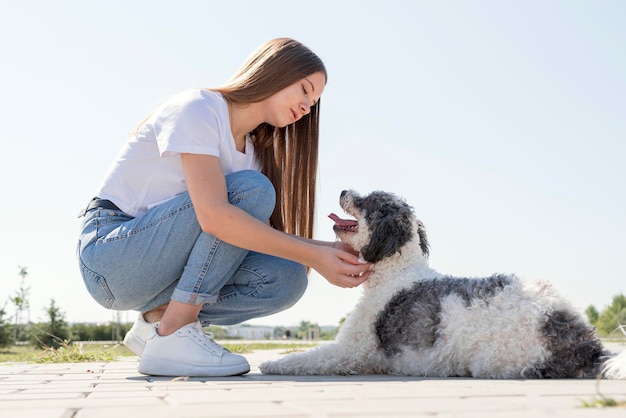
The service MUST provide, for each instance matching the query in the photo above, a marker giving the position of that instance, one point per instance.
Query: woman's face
(291, 103)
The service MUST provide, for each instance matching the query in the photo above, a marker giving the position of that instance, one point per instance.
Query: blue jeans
(144, 262)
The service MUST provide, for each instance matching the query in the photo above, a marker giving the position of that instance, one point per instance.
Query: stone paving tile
(89, 390)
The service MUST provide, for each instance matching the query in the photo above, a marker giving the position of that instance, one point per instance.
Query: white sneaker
(189, 352)
(136, 337)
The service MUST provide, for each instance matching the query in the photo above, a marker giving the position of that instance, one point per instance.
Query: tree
(97, 332)
(303, 329)
(5, 332)
(612, 316)
(21, 302)
(592, 314)
(307, 330)
(54, 332)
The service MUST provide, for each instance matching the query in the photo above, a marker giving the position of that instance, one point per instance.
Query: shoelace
(211, 337)
(206, 339)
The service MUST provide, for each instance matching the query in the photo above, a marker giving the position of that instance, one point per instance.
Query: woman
(206, 214)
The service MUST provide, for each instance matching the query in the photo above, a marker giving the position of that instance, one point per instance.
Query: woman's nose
(305, 108)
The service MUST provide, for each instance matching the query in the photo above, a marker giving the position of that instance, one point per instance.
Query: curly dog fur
(412, 320)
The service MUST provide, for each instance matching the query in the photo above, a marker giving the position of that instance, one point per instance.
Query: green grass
(289, 347)
(66, 353)
(78, 353)
(16, 353)
(601, 401)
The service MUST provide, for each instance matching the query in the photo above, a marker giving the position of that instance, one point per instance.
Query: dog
(412, 320)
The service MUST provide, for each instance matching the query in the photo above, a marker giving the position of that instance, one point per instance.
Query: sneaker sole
(159, 367)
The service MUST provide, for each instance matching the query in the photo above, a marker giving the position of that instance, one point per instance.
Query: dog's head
(385, 226)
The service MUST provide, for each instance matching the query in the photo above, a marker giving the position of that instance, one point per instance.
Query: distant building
(262, 332)
(251, 332)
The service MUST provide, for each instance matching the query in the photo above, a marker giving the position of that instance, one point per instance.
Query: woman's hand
(341, 267)
(345, 247)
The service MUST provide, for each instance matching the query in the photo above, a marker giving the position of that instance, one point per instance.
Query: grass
(601, 401)
(66, 353)
(289, 347)
(91, 352)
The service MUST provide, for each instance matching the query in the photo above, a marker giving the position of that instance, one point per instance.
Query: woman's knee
(275, 282)
(252, 192)
(294, 281)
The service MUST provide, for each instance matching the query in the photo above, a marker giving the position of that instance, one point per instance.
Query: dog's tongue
(343, 222)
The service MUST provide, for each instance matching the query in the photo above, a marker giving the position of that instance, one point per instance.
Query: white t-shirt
(148, 169)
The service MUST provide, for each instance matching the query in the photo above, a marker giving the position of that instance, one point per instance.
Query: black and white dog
(413, 320)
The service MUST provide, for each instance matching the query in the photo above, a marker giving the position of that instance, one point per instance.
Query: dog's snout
(343, 193)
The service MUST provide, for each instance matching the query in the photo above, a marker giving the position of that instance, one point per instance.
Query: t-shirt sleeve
(188, 123)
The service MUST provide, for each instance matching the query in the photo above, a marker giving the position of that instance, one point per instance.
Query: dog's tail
(615, 367)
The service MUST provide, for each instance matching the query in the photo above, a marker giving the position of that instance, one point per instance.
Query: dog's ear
(389, 231)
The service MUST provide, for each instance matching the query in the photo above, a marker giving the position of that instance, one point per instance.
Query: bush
(592, 314)
(612, 316)
(99, 332)
(53, 333)
(5, 330)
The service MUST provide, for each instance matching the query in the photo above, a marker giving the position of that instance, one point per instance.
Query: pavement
(116, 389)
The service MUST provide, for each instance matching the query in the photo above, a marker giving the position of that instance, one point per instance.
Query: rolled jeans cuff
(193, 298)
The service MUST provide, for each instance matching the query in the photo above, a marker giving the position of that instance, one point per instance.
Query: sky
(502, 123)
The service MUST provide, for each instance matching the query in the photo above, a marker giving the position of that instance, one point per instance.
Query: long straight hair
(288, 156)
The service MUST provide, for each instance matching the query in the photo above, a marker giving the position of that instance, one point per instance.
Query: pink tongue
(342, 222)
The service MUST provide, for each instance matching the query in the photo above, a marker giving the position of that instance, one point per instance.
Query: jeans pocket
(97, 287)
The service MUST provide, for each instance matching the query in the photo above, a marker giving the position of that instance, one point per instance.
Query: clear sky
(502, 123)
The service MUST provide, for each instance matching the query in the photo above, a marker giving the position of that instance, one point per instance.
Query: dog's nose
(343, 193)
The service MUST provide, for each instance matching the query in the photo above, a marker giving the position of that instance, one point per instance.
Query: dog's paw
(290, 365)
(269, 367)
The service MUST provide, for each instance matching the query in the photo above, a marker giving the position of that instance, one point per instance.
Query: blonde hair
(289, 155)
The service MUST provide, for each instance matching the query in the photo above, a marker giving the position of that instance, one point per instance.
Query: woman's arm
(335, 244)
(207, 187)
